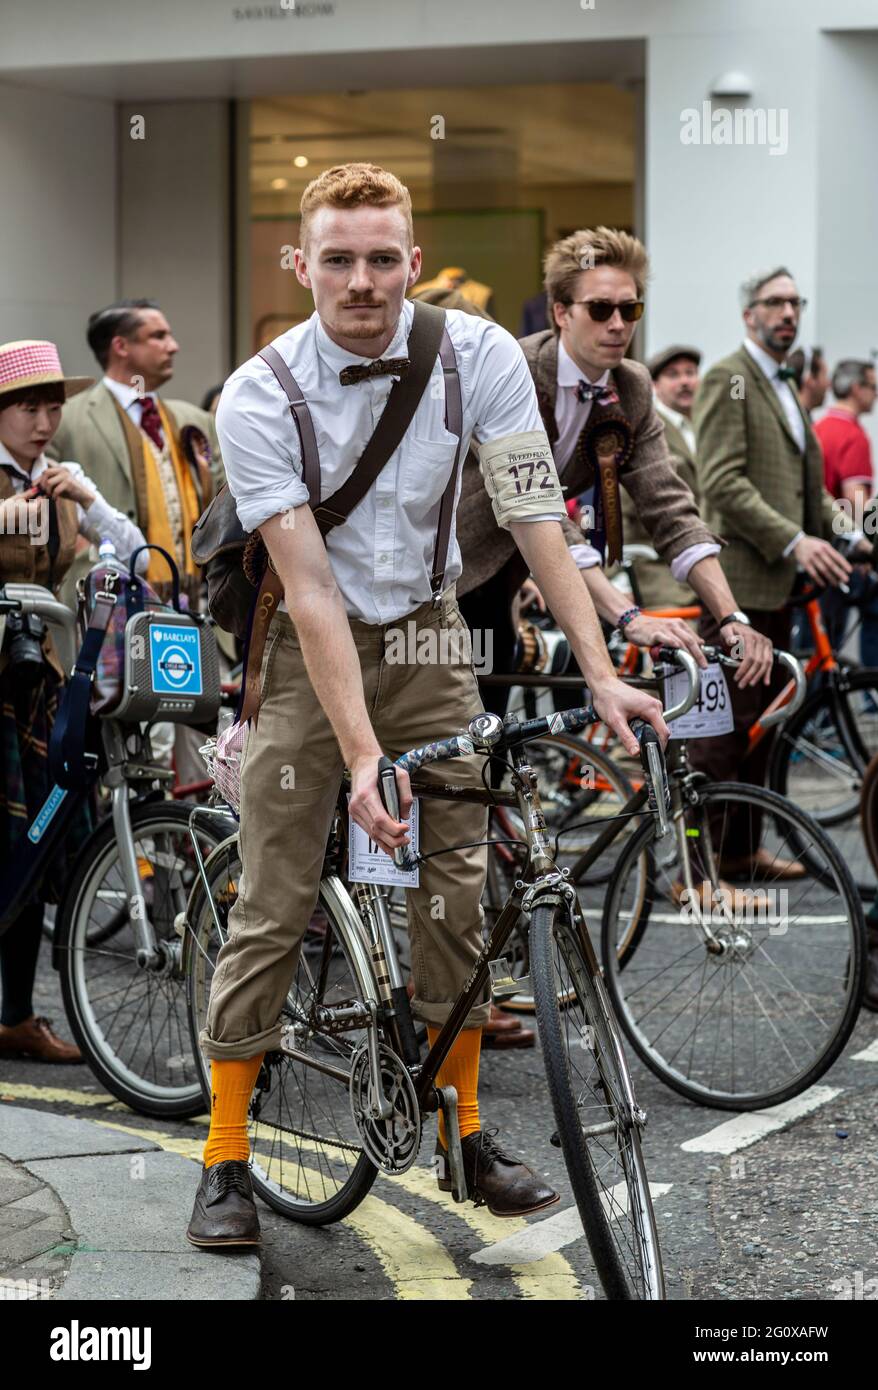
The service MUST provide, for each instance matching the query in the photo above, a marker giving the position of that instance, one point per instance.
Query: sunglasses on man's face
(603, 309)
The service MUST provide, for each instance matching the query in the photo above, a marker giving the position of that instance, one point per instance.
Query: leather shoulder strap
(302, 420)
(454, 425)
(428, 326)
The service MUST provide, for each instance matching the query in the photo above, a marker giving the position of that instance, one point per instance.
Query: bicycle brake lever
(652, 761)
(389, 793)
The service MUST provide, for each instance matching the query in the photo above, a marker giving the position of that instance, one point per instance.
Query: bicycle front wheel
(740, 988)
(306, 1157)
(131, 1021)
(598, 1119)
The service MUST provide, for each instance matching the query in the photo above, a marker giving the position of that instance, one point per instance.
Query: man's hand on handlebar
(752, 649)
(617, 704)
(367, 808)
(665, 632)
(821, 561)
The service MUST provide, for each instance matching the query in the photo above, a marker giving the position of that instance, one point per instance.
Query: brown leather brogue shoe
(224, 1212)
(34, 1038)
(501, 1031)
(505, 1185)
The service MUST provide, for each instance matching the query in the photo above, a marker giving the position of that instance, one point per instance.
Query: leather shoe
(224, 1212)
(34, 1038)
(502, 1032)
(495, 1179)
(764, 864)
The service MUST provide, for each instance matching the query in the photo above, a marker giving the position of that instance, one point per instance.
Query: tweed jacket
(660, 497)
(756, 487)
(656, 586)
(91, 434)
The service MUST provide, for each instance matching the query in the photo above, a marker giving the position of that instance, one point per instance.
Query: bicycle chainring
(392, 1144)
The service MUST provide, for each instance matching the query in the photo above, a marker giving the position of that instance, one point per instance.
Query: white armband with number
(521, 477)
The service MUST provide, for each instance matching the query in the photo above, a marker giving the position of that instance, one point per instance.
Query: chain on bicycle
(391, 1143)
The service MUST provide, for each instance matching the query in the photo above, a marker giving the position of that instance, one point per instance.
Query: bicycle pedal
(503, 985)
(454, 1178)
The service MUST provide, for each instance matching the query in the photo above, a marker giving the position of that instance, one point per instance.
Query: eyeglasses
(602, 309)
(777, 301)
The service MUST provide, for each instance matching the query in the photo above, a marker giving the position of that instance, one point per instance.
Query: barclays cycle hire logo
(175, 660)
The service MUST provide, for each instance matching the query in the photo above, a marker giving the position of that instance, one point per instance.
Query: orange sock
(461, 1070)
(232, 1084)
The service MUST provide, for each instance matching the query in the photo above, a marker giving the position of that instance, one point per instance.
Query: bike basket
(223, 758)
(170, 670)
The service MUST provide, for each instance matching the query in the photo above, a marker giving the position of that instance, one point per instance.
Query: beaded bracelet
(627, 617)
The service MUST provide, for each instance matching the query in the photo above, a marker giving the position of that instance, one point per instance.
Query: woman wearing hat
(44, 508)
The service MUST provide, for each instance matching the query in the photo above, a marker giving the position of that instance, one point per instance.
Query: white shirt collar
(41, 463)
(763, 359)
(337, 357)
(125, 393)
(682, 422)
(571, 375)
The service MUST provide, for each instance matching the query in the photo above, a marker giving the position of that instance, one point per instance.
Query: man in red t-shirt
(847, 469)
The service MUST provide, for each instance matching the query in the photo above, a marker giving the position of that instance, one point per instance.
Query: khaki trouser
(290, 778)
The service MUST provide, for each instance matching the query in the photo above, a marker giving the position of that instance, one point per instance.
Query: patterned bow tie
(786, 374)
(589, 391)
(382, 366)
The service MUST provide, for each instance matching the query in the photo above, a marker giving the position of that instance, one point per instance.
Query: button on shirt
(382, 555)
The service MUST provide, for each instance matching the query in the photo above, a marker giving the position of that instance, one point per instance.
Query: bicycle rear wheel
(757, 1016)
(820, 757)
(306, 1157)
(598, 1119)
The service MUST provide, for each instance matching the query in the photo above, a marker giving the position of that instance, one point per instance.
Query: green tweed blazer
(756, 488)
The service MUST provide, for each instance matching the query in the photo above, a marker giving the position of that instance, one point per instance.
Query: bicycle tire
(546, 922)
(220, 871)
(853, 972)
(149, 819)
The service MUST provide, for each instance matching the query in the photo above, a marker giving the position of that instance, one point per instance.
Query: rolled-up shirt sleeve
(260, 448)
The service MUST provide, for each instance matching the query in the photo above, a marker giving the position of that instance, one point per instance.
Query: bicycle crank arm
(448, 1104)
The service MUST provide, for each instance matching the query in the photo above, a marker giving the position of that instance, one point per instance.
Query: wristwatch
(735, 618)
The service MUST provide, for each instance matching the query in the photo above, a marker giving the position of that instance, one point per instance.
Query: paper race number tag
(711, 715)
(367, 863)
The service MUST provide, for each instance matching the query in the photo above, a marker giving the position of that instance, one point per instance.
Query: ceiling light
(301, 161)
(279, 184)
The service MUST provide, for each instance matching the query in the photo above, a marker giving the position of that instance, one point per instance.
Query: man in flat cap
(674, 373)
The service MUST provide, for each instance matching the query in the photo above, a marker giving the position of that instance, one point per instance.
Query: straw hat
(33, 362)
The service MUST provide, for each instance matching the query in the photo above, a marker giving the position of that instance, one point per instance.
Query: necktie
(786, 374)
(151, 421)
(589, 391)
(382, 366)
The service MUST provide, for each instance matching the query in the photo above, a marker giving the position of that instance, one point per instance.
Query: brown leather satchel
(235, 563)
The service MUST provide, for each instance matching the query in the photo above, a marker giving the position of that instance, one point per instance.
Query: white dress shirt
(382, 556)
(790, 406)
(96, 521)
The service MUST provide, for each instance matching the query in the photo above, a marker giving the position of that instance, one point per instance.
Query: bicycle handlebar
(487, 731)
(39, 602)
(783, 710)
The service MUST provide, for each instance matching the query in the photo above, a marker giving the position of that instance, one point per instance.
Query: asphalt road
(745, 1211)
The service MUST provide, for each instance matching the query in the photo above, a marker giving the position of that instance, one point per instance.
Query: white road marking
(553, 1233)
(747, 1129)
(869, 1054)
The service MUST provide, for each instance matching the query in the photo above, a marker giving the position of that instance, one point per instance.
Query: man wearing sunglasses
(586, 388)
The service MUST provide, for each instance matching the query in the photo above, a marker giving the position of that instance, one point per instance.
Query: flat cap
(660, 360)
